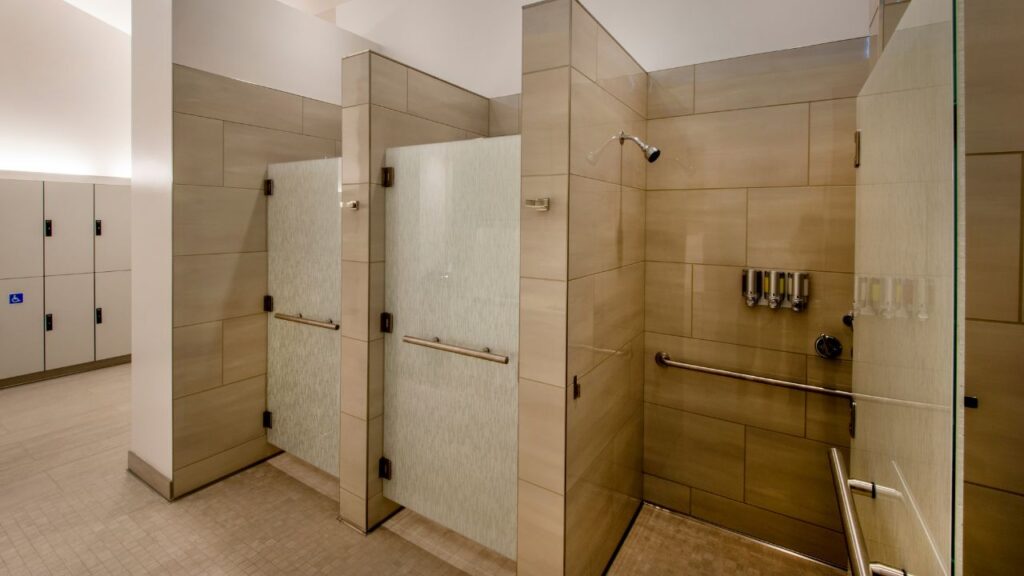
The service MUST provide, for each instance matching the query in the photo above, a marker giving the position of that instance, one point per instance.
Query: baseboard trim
(150, 476)
(65, 371)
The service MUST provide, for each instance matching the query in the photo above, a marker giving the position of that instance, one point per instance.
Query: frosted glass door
(304, 278)
(452, 274)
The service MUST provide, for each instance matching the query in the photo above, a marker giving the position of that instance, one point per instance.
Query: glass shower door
(304, 278)
(450, 377)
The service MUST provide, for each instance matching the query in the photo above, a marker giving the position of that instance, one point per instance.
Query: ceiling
(117, 13)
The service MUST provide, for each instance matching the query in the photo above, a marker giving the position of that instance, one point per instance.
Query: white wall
(264, 42)
(65, 91)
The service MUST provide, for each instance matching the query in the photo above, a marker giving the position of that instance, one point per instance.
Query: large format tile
(204, 94)
(697, 226)
(545, 122)
(618, 307)
(993, 237)
(321, 119)
(389, 84)
(213, 220)
(993, 521)
(833, 151)
(504, 115)
(541, 531)
(744, 148)
(821, 72)
(214, 287)
(597, 117)
(619, 74)
(217, 420)
(801, 228)
(437, 100)
(546, 35)
(542, 435)
(196, 358)
(544, 235)
(355, 144)
(594, 226)
(668, 298)
(245, 347)
(670, 92)
(198, 150)
(542, 329)
(996, 79)
(390, 128)
(355, 80)
(666, 494)
(248, 150)
(584, 41)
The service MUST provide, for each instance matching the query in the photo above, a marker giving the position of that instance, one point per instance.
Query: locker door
(113, 314)
(70, 335)
(21, 219)
(21, 326)
(68, 208)
(113, 228)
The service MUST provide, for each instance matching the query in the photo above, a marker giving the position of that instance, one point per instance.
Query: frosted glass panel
(304, 269)
(452, 273)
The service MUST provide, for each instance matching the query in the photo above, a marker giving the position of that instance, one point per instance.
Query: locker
(113, 228)
(113, 314)
(21, 326)
(21, 223)
(70, 328)
(68, 242)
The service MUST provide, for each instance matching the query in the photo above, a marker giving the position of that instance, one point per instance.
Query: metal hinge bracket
(268, 303)
(384, 468)
(268, 187)
(386, 322)
(268, 419)
(856, 149)
(576, 391)
(99, 227)
(387, 177)
(853, 418)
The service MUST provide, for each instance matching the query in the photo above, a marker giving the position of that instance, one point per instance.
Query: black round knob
(828, 347)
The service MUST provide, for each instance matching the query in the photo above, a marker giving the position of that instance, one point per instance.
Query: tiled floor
(67, 506)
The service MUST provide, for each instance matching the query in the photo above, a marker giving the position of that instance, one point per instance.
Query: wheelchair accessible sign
(15, 297)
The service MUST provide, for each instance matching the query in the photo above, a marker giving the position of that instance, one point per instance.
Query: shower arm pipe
(436, 344)
(663, 359)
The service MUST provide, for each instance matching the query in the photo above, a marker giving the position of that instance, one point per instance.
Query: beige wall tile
(542, 435)
(374, 452)
(836, 374)
(667, 494)
(697, 226)
(389, 84)
(634, 163)
(353, 510)
(352, 454)
(833, 123)
(545, 122)
(390, 128)
(355, 224)
(219, 465)
(379, 509)
(694, 450)
(321, 119)
(814, 541)
(745, 148)
(619, 74)
(376, 299)
(668, 300)
(504, 115)
(542, 328)
(216, 420)
(355, 358)
(355, 80)
(218, 286)
(670, 92)
(582, 354)
(584, 41)
(618, 307)
(204, 94)
(828, 419)
(437, 100)
(993, 522)
(996, 81)
(544, 236)
(248, 150)
(212, 220)
(375, 383)
(596, 119)
(196, 358)
(802, 228)
(790, 476)
(994, 436)
(355, 300)
(632, 222)
(594, 226)
(993, 237)
(245, 347)
(355, 158)
(546, 35)
(821, 72)
(540, 540)
(198, 150)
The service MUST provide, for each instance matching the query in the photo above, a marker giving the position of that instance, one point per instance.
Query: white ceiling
(117, 13)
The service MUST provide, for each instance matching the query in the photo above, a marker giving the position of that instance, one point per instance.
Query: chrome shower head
(650, 152)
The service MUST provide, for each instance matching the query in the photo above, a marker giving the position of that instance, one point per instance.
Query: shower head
(650, 152)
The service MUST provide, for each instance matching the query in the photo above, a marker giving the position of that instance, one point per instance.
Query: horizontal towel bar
(664, 359)
(436, 344)
(329, 324)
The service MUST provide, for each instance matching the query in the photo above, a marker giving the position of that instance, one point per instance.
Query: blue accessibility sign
(15, 297)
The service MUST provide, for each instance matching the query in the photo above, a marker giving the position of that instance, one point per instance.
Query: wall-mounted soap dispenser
(776, 289)
(798, 285)
(752, 287)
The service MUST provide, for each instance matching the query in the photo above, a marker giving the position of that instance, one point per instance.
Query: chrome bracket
(351, 205)
(538, 204)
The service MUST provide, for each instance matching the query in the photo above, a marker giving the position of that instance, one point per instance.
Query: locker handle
(99, 315)
(48, 228)
(99, 227)
(49, 322)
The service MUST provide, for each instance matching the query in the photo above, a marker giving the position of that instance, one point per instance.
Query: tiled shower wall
(225, 133)
(581, 312)
(385, 104)
(756, 170)
(994, 479)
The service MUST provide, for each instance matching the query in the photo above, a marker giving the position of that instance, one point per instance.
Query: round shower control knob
(828, 347)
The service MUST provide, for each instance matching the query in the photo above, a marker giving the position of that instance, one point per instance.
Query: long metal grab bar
(664, 359)
(436, 344)
(318, 323)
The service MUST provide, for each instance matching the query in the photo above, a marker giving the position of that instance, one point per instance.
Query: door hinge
(853, 418)
(99, 227)
(384, 468)
(856, 149)
(268, 303)
(49, 322)
(48, 228)
(268, 187)
(576, 391)
(99, 315)
(387, 177)
(970, 401)
(386, 322)
(268, 419)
